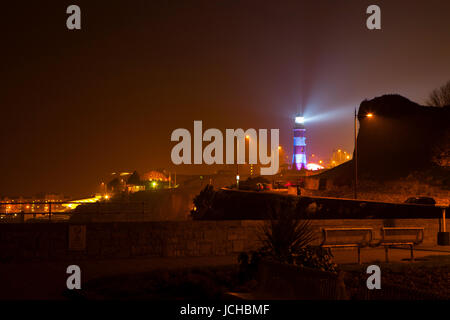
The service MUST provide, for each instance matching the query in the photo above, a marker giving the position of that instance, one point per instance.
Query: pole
(444, 224)
(237, 166)
(355, 160)
(443, 235)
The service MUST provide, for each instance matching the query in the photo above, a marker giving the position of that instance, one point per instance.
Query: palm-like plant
(284, 235)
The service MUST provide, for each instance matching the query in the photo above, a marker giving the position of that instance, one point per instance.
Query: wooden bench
(347, 237)
(396, 237)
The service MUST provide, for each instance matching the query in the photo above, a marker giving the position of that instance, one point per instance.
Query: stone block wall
(394, 191)
(50, 241)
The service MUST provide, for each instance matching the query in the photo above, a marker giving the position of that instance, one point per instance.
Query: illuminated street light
(247, 137)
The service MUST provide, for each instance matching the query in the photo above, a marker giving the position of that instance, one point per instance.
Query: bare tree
(441, 151)
(440, 97)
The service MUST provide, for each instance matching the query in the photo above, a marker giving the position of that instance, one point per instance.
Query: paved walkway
(369, 255)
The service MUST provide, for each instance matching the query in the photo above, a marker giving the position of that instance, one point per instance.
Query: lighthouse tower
(299, 156)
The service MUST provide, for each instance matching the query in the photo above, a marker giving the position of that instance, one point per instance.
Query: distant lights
(314, 166)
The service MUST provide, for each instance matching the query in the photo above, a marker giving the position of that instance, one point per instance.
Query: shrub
(317, 258)
(203, 202)
(287, 239)
(284, 235)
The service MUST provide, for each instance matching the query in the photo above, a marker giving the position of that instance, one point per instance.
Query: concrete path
(369, 255)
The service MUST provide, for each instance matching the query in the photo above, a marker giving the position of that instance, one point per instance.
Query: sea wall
(65, 241)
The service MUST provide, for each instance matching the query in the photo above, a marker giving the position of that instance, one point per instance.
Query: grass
(208, 283)
(431, 274)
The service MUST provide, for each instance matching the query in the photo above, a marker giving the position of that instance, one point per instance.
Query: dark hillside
(399, 140)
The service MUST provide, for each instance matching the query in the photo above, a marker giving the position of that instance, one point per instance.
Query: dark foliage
(315, 257)
(440, 97)
(286, 239)
(203, 202)
(284, 234)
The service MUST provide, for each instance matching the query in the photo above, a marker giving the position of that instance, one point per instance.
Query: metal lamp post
(355, 160)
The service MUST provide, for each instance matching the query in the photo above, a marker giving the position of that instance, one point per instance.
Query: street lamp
(247, 137)
(355, 162)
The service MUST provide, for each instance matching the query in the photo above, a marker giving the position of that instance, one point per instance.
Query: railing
(40, 211)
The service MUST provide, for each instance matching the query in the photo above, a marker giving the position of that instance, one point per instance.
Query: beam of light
(327, 116)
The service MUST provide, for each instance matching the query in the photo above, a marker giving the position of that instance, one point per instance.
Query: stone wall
(393, 191)
(51, 241)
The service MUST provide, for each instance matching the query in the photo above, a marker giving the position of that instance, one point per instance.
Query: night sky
(79, 105)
